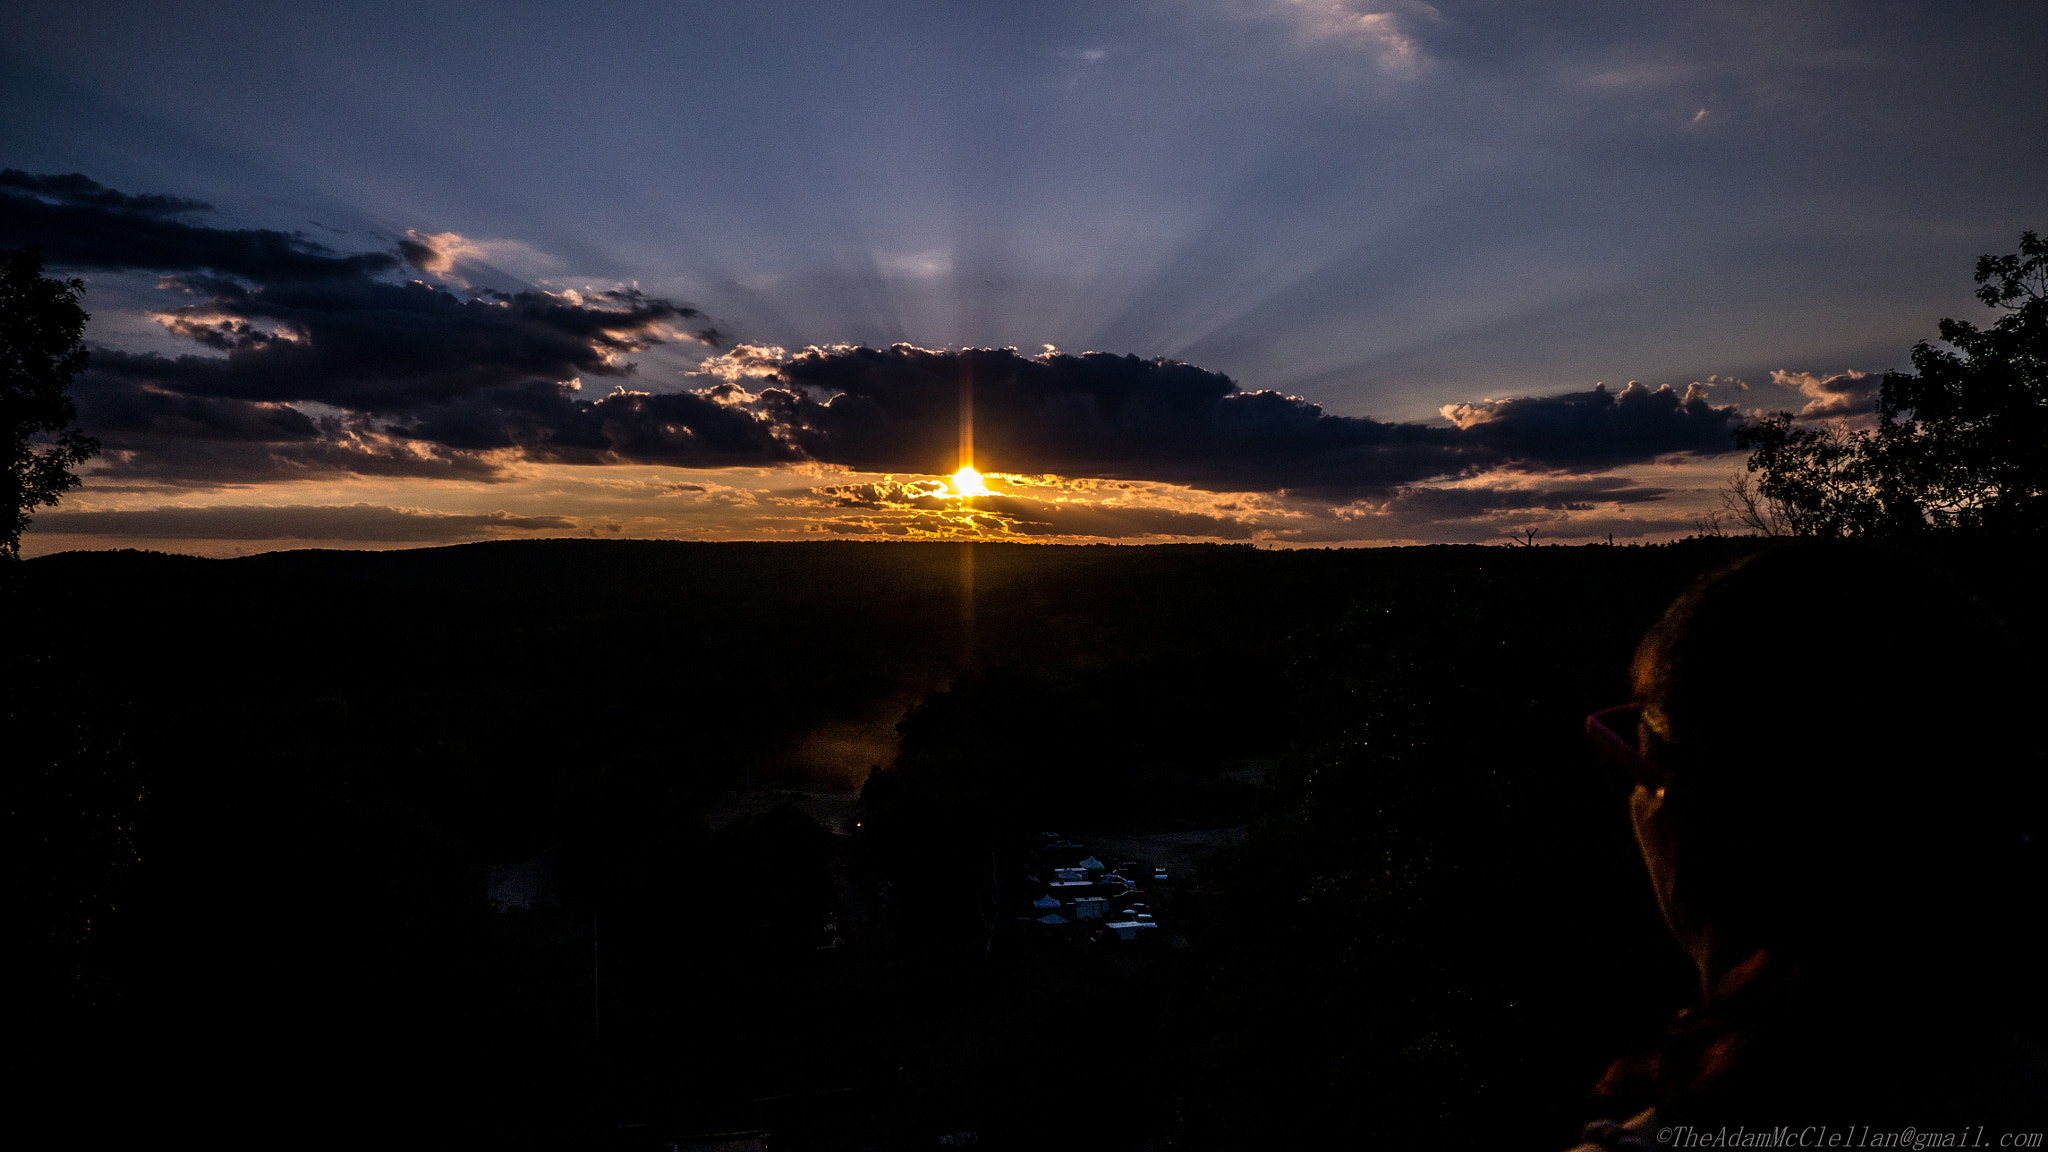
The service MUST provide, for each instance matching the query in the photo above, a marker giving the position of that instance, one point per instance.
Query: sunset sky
(1279, 271)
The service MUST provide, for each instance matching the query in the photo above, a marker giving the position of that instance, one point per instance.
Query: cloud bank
(296, 522)
(309, 364)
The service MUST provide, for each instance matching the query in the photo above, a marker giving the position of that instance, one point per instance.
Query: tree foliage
(42, 346)
(1957, 444)
(1814, 481)
(1963, 432)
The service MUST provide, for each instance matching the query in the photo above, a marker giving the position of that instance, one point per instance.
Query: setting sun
(968, 482)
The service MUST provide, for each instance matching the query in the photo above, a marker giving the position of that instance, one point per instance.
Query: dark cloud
(897, 410)
(1588, 431)
(377, 346)
(1121, 417)
(152, 433)
(76, 189)
(186, 463)
(1435, 504)
(294, 522)
(81, 224)
(1090, 415)
(114, 407)
(423, 256)
(552, 422)
(427, 381)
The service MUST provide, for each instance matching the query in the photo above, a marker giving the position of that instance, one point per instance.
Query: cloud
(1101, 415)
(281, 321)
(373, 345)
(77, 190)
(917, 508)
(1850, 393)
(1384, 33)
(717, 495)
(930, 264)
(111, 407)
(190, 463)
(1096, 415)
(1437, 504)
(1594, 430)
(439, 253)
(551, 423)
(149, 433)
(887, 410)
(81, 224)
(1110, 510)
(370, 522)
(309, 364)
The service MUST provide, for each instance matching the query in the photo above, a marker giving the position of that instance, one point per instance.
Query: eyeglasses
(1620, 743)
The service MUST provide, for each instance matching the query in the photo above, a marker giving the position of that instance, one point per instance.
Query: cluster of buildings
(1084, 893)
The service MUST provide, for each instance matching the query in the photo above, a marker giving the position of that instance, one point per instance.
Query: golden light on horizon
(968, 482)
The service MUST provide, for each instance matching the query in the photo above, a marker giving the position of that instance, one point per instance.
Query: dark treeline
(256, 805)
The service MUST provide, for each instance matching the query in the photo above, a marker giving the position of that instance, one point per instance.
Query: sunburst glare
(968, 482)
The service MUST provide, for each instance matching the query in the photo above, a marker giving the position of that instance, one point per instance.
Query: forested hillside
(259, 804)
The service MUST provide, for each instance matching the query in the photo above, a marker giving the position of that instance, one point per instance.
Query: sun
(968, 482)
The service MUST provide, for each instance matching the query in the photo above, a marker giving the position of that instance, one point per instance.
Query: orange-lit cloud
(1845, 394)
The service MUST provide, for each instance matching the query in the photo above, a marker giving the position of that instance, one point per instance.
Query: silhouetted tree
(42, 346)
(1963, 433)
(1957, 442)
(1813, 481)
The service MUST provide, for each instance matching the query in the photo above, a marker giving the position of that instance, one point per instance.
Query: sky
(1286, 272)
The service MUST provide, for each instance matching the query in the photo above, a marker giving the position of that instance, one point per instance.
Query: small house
(1089, 908)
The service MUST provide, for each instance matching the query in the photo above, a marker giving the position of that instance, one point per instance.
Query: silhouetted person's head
(1838, 732)
(1836, 782)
